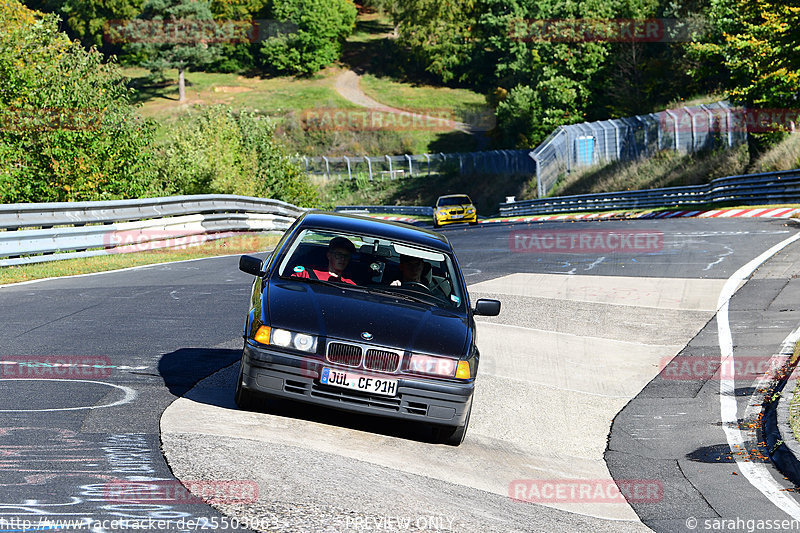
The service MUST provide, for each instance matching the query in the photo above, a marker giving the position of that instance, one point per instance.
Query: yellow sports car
(454, 208)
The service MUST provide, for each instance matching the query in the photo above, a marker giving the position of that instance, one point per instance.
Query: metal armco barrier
(751, 189)
(66, 230)
(391, 209)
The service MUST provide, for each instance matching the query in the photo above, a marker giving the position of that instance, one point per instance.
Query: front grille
(345, 354)
(381, 361)
(356, 398)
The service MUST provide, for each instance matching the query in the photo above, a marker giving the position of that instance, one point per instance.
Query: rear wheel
(453, 436)
(245, 399)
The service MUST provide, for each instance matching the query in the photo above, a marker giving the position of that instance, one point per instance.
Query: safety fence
(686, 129)
(488, 163)
(32, 233)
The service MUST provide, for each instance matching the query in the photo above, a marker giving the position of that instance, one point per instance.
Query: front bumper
(297, 378)
(446, 219)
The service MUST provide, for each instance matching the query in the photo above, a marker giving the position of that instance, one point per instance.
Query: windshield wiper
(402, 295)
(336, 284)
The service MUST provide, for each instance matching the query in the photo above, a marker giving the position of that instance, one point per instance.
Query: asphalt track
(580, 343)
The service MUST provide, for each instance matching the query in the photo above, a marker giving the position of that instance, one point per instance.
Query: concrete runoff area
(542, 411)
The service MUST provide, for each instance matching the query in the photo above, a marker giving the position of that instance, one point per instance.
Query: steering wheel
(416, 285)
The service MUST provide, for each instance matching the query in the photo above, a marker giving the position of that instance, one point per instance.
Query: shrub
(214, 150)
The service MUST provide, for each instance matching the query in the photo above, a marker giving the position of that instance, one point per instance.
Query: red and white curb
(761, 212)
(780, 212)
(395, 219)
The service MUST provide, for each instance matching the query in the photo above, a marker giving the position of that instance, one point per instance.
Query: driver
(411, 268)
(338, 254)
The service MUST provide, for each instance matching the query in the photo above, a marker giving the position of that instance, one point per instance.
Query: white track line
(756, 473)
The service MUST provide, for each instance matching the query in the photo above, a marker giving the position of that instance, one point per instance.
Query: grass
(270, 96)
(693, 101)
(422, 190)
(241, 244)
(782, 156)
(794, 405)
(414, 97)
(666, 169)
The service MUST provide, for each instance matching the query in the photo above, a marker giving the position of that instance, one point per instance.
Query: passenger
(339, 252)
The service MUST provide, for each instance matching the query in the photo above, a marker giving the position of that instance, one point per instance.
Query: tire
(450, 435)
(245, 399)
(435, 224)
(473, 223)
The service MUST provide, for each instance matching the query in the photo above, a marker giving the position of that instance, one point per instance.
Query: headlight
(286, 339)
(436, 366)
(470, 210)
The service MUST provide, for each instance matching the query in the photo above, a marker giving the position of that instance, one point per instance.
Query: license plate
(353, 381)
(456, 216)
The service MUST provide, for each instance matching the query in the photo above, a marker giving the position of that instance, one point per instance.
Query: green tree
(173, 34)
(321, 27)
(88, 20)
(756, 44)
(439, 35)
(524, 56)
(67, 130)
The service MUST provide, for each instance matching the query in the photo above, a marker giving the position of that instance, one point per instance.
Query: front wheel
(245, 399)
(453, 436)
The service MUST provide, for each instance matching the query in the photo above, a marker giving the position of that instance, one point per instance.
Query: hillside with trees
(538, 64)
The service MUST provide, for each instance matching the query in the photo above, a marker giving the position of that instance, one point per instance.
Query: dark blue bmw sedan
(363, 315)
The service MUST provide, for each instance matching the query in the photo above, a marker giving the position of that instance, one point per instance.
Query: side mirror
(485, 307)
(250, 265)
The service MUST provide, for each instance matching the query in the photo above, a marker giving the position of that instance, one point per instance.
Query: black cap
(341, 242)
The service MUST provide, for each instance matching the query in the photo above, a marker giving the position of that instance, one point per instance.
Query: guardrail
(43, 232)
(391, 209)
(750, 189)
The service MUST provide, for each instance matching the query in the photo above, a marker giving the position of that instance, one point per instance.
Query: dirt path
(348, 85)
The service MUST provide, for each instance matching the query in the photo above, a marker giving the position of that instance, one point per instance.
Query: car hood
(345, 314)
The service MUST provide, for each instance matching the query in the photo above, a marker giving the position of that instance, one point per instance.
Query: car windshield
(385, 267)
(453, 200)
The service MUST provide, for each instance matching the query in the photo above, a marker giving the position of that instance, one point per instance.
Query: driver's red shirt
(323, 275)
